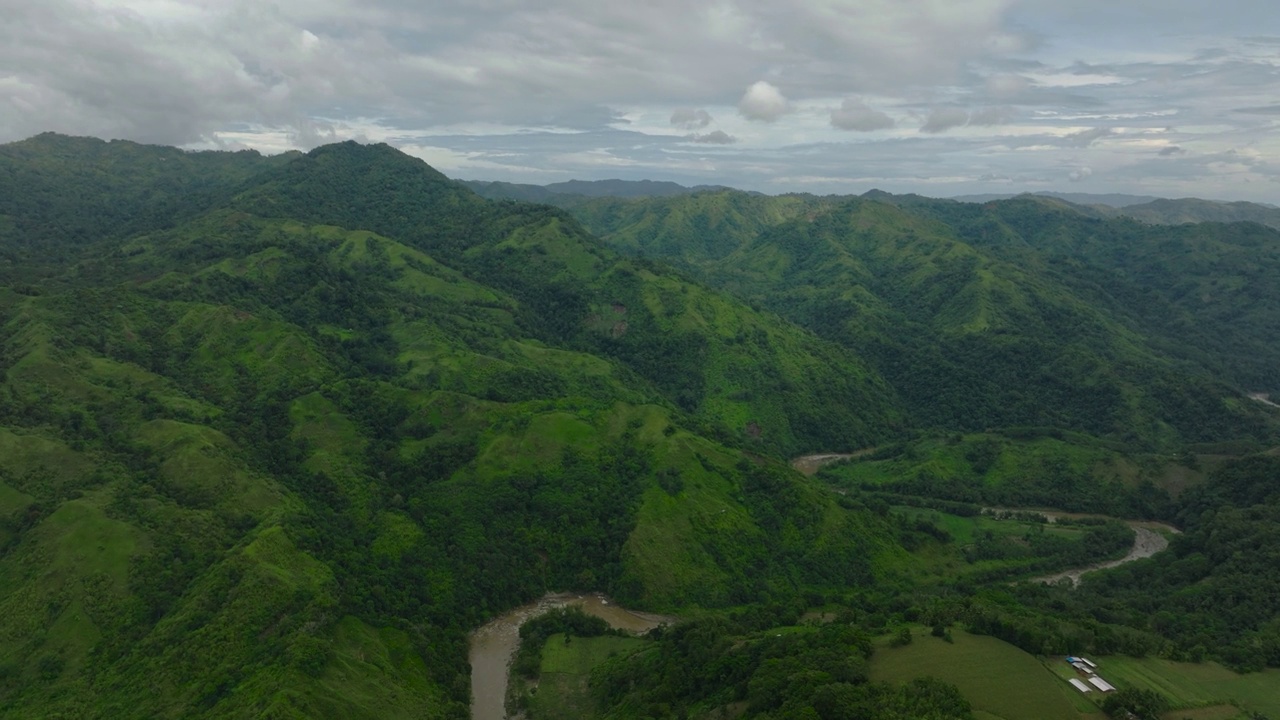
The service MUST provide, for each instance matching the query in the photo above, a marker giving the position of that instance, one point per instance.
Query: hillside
(976, 319)
(1193, 210)
(571, 192)
(1152, 210)
(277, 454)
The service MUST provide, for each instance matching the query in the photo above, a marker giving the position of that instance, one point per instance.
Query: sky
(1174, 98)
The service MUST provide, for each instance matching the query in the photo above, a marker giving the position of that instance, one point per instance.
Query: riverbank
(1146, 542)
(494, 644)
(1149, 538)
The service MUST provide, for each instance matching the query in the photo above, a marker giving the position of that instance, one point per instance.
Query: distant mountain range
(583, 189)
(1157, 211)
(1115, 200)
(1144, 208)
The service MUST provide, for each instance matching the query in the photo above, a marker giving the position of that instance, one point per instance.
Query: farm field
(1002, 681)
(998, 679)
(1198, 683)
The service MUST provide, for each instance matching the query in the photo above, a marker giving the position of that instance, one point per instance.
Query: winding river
(1148, 539)
(494, 645)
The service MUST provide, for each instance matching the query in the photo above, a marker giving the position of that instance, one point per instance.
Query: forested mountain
(1021, 312)
(574, 191)
(278, 452)
(1112, 200)
(276, 433)
(1153, 210)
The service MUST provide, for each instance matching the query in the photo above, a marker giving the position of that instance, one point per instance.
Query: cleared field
(1196, 684)
(1213, 712)
(998, 679)
(566, 669)
(1004, 682)
(964, 530)
(581, 655)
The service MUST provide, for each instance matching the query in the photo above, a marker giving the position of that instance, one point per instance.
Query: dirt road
(811, 464)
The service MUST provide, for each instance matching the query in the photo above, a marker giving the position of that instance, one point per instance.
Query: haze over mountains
(277, 432)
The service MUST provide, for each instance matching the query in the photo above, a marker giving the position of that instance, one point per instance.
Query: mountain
(277, 433)
(976, 320)
(58, 192)
(1111, 200)
(1192, 210)
(625, 188)
(1153, 210)
(276, 452)
(563, 194)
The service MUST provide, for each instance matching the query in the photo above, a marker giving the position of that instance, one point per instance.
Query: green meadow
(1002, 681)
(563, 691)
(998, 679)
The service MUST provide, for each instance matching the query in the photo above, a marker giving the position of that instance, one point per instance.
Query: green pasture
(563, 690)
(998, 679)
(1002, 681)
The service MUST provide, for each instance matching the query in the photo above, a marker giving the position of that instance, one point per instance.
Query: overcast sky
(942, 97)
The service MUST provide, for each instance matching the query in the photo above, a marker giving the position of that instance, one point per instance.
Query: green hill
(976, 318)
(278, 453)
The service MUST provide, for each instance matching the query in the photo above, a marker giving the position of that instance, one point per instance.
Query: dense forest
(277, 432)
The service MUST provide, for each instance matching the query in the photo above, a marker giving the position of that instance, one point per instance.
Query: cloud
(853, 114)
(988, 116)
(1007, 85)
(1171, 151)
(690, 119)
(764, 102)
(715, 137)
(1080, 174)
(531, 88)
(1260, 110)
(1085, 138)
(941, 119)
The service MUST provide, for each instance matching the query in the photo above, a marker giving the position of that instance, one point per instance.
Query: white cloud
(1079, 174)
(941, 119)
(522, 87)
(991, 116)
(854, 114)
(715, 137)
(690, 119)
(762, 101)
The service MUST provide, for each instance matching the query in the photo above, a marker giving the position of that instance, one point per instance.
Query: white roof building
(1101, 684)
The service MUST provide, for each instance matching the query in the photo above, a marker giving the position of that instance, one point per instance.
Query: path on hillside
(811, 464)
(1263, 398)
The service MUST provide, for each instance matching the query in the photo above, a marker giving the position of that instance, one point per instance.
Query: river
(1146, 542)
(494, 645)
(1148, 539)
